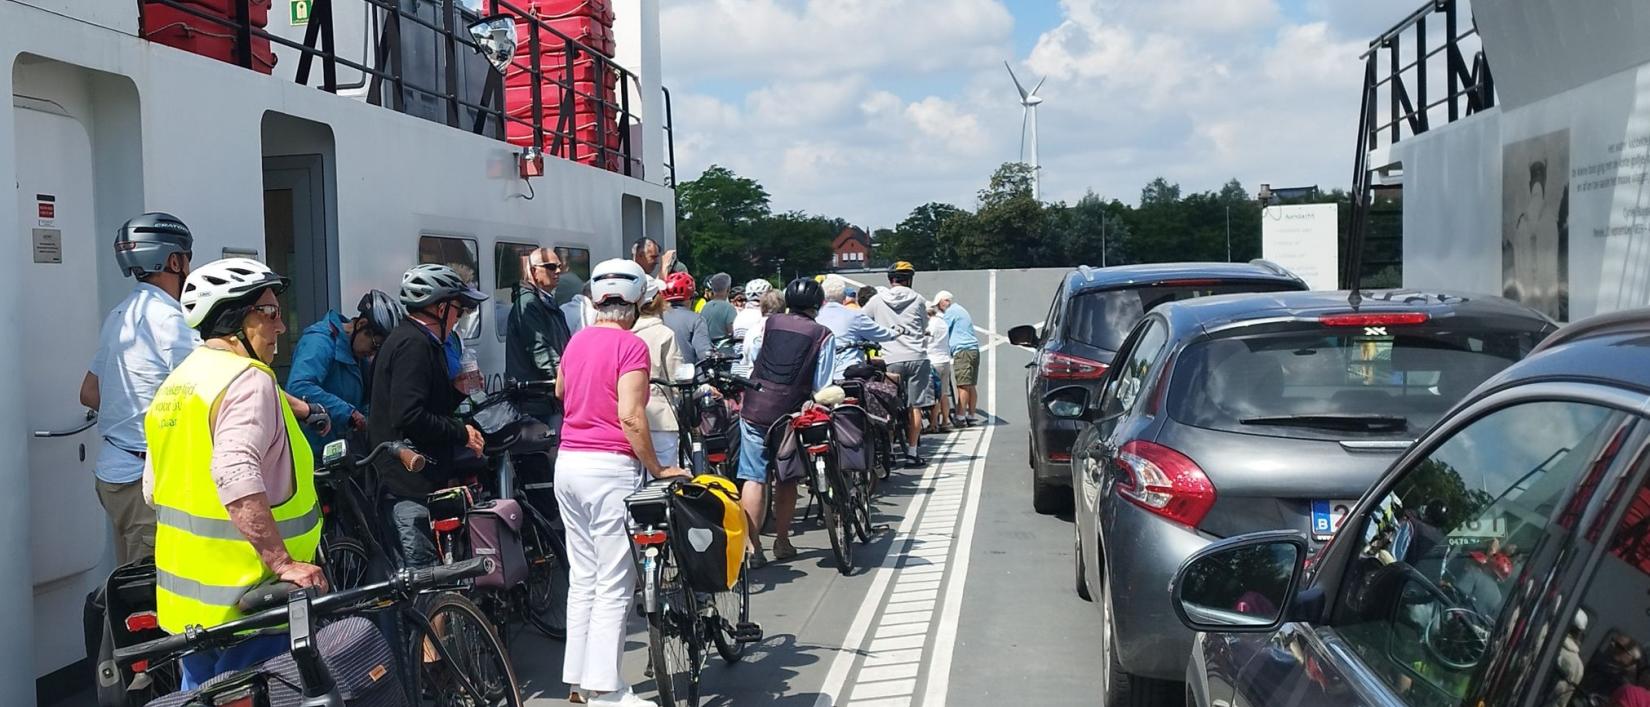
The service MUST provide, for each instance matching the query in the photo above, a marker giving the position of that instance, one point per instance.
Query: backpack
(707, 531)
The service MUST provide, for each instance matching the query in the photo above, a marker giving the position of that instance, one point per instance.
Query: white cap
(653, 288)
(1580, 621)
(942, 296)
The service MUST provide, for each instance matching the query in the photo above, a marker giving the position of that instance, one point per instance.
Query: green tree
(1009, 226)
(716, 218)
(792, 244)
(917, 239)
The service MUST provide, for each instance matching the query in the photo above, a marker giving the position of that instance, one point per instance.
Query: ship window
(509, 269)
(577, 272)
(460, 254)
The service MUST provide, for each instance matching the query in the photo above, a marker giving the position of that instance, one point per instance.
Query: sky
(866, 109)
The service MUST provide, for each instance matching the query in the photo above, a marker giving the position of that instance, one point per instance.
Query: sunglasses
(273, 311)
(552, 267)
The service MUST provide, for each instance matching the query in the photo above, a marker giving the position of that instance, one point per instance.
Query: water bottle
(469, 381)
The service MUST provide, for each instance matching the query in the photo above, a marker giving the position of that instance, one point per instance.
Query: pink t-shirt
(590, 369)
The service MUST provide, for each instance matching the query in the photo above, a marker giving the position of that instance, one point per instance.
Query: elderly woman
(606, 447)
(664, 358)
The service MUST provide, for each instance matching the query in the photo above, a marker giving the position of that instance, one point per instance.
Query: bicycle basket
(708, 532)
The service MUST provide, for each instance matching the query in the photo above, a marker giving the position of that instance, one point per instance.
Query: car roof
(1220, 311)
(1611, 349)
(1085, 278)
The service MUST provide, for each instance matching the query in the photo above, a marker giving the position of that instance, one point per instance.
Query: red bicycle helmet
(679, 287)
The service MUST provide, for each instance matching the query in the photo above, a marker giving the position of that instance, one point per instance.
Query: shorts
(753, 453)
(965, 366)
(913, 377)
(942, 381)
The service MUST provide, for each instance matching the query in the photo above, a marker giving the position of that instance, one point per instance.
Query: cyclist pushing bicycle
(796, 360)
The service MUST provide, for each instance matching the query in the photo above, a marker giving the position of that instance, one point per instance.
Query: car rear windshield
(1337, 384)
(1103, 319)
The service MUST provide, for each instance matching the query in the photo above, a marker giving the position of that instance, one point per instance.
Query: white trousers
(591, 487)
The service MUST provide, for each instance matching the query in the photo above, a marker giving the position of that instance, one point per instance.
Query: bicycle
(349, 538)
(708, 422)
(682, 623)
(513, 441)
(844, 496)
(305, 674)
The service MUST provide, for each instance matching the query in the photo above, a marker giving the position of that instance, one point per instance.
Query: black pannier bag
(850, 429)
(354, 651)
(707, 532)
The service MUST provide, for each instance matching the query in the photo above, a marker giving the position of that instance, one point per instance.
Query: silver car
(1233, 414)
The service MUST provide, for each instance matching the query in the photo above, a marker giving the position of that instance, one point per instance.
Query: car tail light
(1386, 319)
(1165, 482)
(1059, 366)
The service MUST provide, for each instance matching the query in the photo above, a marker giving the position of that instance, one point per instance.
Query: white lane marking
(843, 663)
(938, 685)
(888, 672)
(890, 688)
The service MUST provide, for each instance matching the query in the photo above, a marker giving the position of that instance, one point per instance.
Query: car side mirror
(334, 452)
(1240, 585)
(1068, 403)
(1023, 335)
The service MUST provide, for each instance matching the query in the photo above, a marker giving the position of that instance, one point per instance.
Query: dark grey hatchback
(1239, 413)
(1503, 560)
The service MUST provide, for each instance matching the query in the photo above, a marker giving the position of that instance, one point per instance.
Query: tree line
(726, 224)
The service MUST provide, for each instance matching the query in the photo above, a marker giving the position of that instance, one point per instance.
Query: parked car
(1093, 309)
(1504, 559)
(1233, 414)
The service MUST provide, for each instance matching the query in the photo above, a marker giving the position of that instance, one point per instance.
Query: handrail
(88, 423)
(491, 116)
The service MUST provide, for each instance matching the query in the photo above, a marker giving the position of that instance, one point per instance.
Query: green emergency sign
(300, 12)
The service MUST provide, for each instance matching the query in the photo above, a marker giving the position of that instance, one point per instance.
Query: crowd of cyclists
(208, 463)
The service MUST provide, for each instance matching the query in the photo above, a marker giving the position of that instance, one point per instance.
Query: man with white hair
(850, 326)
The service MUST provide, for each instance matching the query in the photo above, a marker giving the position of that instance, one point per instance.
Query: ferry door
(67, 529)
(296, 239)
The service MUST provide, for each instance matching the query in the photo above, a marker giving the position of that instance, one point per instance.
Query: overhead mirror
(1243, 584)
(495, 38)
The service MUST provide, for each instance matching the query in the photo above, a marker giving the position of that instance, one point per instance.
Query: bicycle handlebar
(411, 459)
(404, 583)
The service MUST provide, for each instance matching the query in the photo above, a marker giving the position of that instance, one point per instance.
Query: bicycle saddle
(524, 436)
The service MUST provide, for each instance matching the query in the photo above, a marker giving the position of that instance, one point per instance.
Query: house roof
(851, 233)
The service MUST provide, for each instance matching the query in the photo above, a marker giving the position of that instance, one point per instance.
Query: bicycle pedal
(747, 632)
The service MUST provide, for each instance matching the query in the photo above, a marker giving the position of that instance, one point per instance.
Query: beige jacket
(661, 350)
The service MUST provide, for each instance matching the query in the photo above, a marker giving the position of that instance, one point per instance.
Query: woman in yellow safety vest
(229, 472)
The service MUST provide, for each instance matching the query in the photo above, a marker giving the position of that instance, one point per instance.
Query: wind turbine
(1029, 100)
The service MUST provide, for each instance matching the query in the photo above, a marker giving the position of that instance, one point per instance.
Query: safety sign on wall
(300, 12)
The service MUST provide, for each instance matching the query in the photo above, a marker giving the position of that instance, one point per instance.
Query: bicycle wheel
(838, 525)
(884, 454)
(675, 638)
(546, 584)
(345, 562)
(474, 655)
(733, 611)
(860, 498)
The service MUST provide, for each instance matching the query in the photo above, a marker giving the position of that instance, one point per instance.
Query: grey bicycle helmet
(144, 243)
(429, 284)
(380, 311)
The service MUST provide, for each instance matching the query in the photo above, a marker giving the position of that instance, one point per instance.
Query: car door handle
(91, 419)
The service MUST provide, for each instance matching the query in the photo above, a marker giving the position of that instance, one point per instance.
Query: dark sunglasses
(552, 267)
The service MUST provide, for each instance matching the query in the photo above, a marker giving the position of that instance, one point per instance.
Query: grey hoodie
(905, 312)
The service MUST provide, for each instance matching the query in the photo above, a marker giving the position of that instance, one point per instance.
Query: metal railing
(1403, 82)
(489, 113)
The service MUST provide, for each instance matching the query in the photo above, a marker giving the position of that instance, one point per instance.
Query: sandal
(783, 551)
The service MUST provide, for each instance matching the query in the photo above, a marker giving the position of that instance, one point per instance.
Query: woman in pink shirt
(605, 448)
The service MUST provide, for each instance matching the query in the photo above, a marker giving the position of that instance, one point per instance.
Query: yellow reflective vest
(203, 564)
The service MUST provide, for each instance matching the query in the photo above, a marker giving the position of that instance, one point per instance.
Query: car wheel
(1082, 578)
(1118, 688)
(1049, 499)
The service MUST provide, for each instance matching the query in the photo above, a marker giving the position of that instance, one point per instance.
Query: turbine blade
(1038, 86)
(1017, 85)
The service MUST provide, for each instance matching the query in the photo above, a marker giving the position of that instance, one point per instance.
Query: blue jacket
(325, 372)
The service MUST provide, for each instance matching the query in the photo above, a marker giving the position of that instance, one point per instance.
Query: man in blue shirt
(330, 362)
(965, 355)
(849, 326)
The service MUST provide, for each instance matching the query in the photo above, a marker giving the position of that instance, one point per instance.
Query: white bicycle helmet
(617, 280)
(430, 283)
(755, 289)
(216, 295)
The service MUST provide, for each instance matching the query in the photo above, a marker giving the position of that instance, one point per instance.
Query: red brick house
(851, 250)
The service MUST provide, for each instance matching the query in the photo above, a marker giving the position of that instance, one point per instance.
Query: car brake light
(1059, 456)
(1059, 366)
(1165, 482)
(1387, 319)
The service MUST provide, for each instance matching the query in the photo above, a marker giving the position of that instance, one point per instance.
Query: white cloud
(864, 109)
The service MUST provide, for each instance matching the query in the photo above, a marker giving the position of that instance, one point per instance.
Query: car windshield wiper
(1353, 423)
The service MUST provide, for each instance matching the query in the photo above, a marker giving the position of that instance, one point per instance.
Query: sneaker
(621, 698)
(783, 550)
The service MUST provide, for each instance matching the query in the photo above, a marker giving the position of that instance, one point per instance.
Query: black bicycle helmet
(144, 243)
(380, 311)
(803, 294)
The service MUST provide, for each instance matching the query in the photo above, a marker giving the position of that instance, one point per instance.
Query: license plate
(1327, 517)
